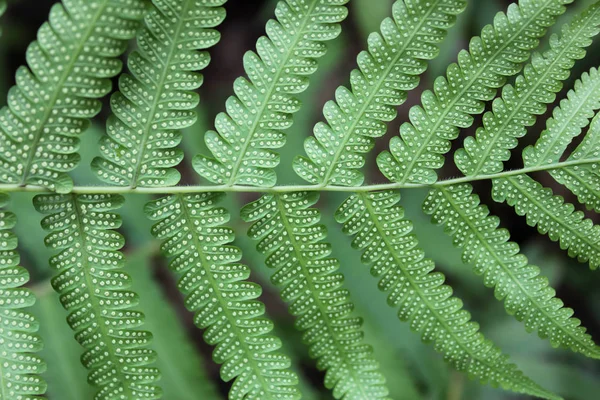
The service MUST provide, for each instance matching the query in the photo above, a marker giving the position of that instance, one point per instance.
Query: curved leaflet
(21, 368)
(94, 289)
(380, 230)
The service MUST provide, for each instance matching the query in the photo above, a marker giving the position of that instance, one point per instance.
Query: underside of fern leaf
(289, 235)
(526, 294)
(549, 212)
(69, 67)
(387, 71)
(262, 107)
(21, 368)
(383, 234)
(552, 216)
(224, 302)
(158, 98)
(574, 114)
(94, 289)
(494, 56)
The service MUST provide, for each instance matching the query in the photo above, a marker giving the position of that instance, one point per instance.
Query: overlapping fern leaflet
(383, 234)
(70, 66)
(519, 105)
(289, 235)
(20, 367)
(158, 98)
(496, 55)
(525, 292)
(387, 70)
(574, 114)
(517, 109)
(549, 212)
(215, 286)
(93, 288)
(262, 106)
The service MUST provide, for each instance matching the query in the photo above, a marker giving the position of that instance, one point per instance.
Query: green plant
(69, 69)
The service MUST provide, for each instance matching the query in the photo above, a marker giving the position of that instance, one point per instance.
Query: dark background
(414, 370)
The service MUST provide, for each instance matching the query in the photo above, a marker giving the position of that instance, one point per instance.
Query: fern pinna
(94, 291)
(21, 368)
(500, 77)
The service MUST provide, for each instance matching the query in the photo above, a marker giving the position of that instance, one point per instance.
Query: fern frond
(262, 106)
(526, 294)
(70, 66)
(496, 55)
(567, 122)
(533, 91)
(289, 235)
(584, 180)
(377, 222)
(20, 367)
(551, 215)
(387, 71)
(507, 122)
(224, 302)
(157, 99)
(568, 119)
(93, 289)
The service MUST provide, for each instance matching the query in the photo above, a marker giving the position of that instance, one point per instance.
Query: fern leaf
(497, 54)
(21, 368)
(93, 289)
(567, 122)
(526, 294)
(382, 233)
(157, 99)
(387, 71)
(262, 106)
(217, 290)
(289, 235)
(552, 216)
(533, 90)
(70, 66)
(573, 114)
(584, 180)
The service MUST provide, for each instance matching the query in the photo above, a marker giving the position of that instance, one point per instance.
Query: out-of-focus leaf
(66, 377)
(368, 14)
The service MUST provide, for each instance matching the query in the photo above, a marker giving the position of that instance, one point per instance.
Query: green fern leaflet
(94, 290)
